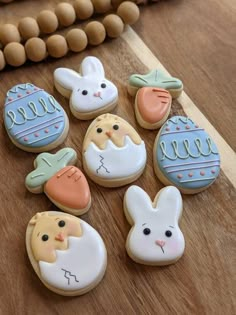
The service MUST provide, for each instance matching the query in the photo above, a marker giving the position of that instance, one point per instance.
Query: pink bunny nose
(160, 243)
(59, 237)
(97, 94)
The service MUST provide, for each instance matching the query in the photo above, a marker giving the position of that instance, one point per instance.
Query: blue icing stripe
(32, 117)
(186, 155)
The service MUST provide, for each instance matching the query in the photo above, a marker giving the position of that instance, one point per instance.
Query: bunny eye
(61, 223)
(99, 130)
(84, 92)
(103, 85)
(146, 231)
(168, 233)
(115, 127)
(45, 237)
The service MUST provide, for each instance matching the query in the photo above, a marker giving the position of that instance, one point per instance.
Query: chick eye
(168, 233)
(99, 130)
(115, 127)
(61, 223)
(45, 237)
(84, 92)
(146, 231)
(103, 85)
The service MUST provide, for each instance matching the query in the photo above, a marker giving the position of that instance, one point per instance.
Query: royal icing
(155, 237)
(153, 104)
(63, 183)
(70, 253)
(113, 149)
(186, 154)
(89, 90)
(32, 117)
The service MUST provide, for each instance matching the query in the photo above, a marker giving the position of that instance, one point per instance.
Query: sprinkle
(10, 99)
(167, 129)
(190, 174)
(202, 173)
(46, 131)
(36, 134)
(28, 92)
(26, 139)
(213, 171)
(196, 126)
(179, 175)
(35, 89)
(19, 95)
(187, 127)
(177, 128)
(56, 126)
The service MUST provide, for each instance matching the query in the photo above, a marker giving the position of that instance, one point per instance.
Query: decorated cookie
(34, 120)
(152, 107)
(113, 152)
(156, 79)
(155, 237)
(67, 254)
(185, 156)
(63, 183)
(90, 93)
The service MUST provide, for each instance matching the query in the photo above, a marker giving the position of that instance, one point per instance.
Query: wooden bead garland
(77, 40)
(101, 6)
(15, 54)
(9, 33)
(47, 21)
(28, 27)
(35, 49)
(83, 9)
(129, 12)
(57, 46)
(2, 61)
(114, 25)
(65, 13)
(96, 33)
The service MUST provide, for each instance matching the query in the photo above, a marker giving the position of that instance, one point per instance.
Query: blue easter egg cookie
(34, 120)
(185, 156)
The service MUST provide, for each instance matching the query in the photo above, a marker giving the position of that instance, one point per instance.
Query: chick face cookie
(113, 152)
(152, 107)
(155, 79)
(155, 237)
(64, 184)
(185, 156)
(67, 254)
(90, 93)
(34, 120)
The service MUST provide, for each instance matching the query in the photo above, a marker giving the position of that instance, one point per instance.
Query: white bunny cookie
(155, 237)
(90, 93)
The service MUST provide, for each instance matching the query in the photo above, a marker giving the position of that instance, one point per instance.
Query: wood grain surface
(195, 41)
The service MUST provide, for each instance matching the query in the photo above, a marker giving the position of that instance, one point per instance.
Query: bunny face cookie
(67, 254)
(155, 237)
(113, 152)
(90, 93)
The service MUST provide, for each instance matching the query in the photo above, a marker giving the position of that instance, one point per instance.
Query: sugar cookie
(185, 156)
(113, 152)
(152, 107)
(67, 254)
(156, 79)
(90, 92)
(155, 237)
(34, 120)
(64, 184)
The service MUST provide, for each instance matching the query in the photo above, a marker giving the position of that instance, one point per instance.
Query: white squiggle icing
(20, 87)
(80, 266)
(116, 162)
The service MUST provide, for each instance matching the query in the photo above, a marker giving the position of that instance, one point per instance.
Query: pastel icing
(153, 104)
(89, 90)
(155, 78)
(155, 237)
(186, 154)
(71, 255)
(32, 117)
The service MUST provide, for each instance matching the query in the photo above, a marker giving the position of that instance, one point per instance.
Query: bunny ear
(66, 78)
(92, 65)
(137, 203)
(170, 202)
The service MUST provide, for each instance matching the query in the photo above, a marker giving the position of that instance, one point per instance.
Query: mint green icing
(47, 165)
(155, 78)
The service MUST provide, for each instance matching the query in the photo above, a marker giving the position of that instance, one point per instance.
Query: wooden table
(195, 41)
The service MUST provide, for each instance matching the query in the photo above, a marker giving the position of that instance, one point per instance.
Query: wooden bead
(35, 49)
(28, 28)
(101, 6)
(77, 40)
(129, 12)
(47, 21)
(9, 33)
(15, 54)
(2, 61)
(84, 9)
(6, 1)
(65, 14)
(114, 25)
(96, 33)
(57, 46)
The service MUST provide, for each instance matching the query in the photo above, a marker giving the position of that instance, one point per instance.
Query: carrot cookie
(155, 237)
(113, 152)
(34, 120)
(185, 156)
(152, 107)
(63, 183)
(67, 254)
(90, 93)
(156, 79)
